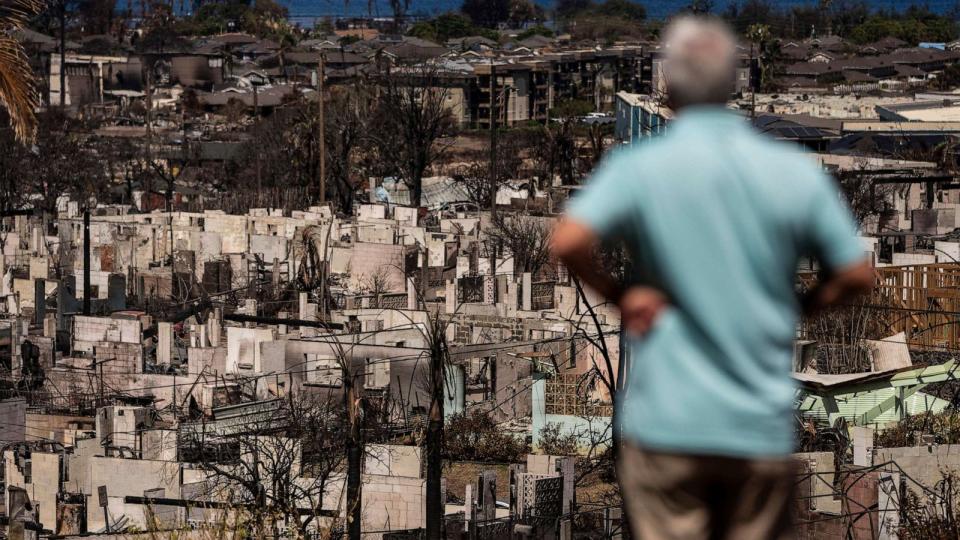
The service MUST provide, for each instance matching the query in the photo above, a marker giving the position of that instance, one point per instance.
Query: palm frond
(17, 93)
(15, 13)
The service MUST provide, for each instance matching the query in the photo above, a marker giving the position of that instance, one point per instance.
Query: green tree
(624, 9)
(538, 30)
(568, 8)
(913, 26)
(487, 13)
(444, 27)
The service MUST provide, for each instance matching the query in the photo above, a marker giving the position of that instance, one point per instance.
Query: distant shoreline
(306, 12)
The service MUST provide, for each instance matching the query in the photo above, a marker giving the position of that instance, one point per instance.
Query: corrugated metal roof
(852, 406)
(437, 191)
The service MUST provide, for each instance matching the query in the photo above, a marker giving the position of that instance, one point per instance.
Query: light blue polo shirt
(716, 216)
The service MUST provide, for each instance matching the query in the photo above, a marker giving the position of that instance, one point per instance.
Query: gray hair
(700, 61)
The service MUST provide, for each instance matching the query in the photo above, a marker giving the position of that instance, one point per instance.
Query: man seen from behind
(715, 218)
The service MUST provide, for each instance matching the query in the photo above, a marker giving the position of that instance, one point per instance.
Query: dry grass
(461, 473)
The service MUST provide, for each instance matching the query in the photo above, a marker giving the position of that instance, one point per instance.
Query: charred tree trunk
(434, 439)
(354, 459)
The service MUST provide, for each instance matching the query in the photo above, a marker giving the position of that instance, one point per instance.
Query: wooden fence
(923, 301)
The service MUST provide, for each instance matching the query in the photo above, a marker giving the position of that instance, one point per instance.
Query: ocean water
(307, 10)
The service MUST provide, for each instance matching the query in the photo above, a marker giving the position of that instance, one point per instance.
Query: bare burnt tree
(378, 282)
(865, 198)
(61, 163)
(598, 135)
(435, 332)
(282, 150)
(840, 333)
(276, 464)
(557, 153)
(13, 163)
(525, 237)
(347, 118)
(125, 162)
(482, 180)
(412, 121)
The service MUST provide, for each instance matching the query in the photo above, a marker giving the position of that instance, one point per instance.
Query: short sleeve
(605, 203)
(831, 228)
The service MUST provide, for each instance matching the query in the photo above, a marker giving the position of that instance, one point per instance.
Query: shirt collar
(699, 116)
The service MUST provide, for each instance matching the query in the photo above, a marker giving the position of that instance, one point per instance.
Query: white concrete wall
(243, 347)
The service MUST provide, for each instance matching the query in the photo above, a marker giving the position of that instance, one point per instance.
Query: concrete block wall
(125, 477)
(41, 427)
(908, 259)
(89, 331)
(394, 460)
(862, 494)
(924, 464)
(392, 502)
(44, 481)
(119, 358)
(820, 489)
(366, 260)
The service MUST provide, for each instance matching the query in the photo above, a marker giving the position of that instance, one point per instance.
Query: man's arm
(574, 244)
(839, 286)
(831, 237)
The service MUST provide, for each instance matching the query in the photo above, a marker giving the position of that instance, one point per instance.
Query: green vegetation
(450, 26)
(850, 19)
(554, 442)
(915, 25)
(909, 431)
(258, 17)
(607, 22)
(474, 436)
(572, 108)
(620, 9)
(538, 30)
(490, 13)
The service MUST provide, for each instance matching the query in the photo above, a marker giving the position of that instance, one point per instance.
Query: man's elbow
(561, 249)
(569, 242)
(859, 279)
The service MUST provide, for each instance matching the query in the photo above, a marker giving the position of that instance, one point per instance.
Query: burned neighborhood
(270, 274)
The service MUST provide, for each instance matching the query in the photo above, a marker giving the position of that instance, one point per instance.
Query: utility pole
(63, 53)
(322, 150)
(100, 370)
(434, 434)
(259, 181)
(148, 114)
(493, 138)
(424, 274)
(86, 260)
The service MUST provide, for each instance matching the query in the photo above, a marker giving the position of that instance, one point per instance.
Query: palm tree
(17, 93)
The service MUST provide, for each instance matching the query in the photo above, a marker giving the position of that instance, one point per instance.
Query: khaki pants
(686, 497)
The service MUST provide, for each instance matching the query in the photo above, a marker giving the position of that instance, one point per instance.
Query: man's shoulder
(648, 153)
(781, 151)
